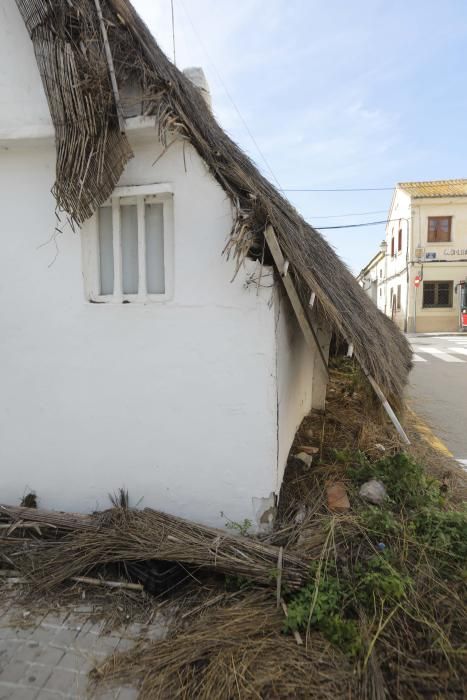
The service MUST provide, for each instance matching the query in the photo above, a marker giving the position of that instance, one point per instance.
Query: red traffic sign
(417, 281)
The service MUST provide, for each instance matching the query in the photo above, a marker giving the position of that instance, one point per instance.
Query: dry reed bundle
(236, 651)
(62, 522)
(127, 536)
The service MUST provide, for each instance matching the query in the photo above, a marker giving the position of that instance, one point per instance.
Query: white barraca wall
(175, 401)
(22, 99)
(295, 362)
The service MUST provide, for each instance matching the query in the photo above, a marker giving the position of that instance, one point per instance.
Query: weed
(242, 528)
(321, 605)
(405, 480)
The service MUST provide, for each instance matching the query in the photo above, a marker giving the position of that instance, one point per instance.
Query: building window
(399, 240)
(392, 246)
(380, 274)
(380, 292)
(398, 297)
(437, 295)
(439, 229)
(127, 246)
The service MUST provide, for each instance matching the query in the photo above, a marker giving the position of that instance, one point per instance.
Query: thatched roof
(92, 153)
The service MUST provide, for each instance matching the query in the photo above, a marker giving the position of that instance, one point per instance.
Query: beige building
(416, 276)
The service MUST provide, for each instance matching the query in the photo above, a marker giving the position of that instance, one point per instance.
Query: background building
(415, 277)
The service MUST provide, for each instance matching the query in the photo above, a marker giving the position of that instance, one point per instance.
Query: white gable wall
(23, 105)
(175, 401)
(295, 379)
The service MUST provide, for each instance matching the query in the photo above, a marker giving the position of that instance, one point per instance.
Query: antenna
(173, 29)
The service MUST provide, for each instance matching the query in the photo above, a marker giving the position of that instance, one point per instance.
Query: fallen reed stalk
(122, 535)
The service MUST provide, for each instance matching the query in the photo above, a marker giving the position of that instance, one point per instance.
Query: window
(398, 301)
(392, 246)
(437, 295)
(439, 229)
(380, 274)
(127, 246)
(399, 240)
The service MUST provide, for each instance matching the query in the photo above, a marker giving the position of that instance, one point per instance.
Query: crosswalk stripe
(418, 358)
(459, 351)
(463, 463)
(446, 357)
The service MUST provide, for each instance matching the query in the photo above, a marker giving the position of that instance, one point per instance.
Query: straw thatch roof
(92, 153)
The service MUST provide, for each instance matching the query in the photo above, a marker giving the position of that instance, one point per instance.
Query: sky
(326, 94)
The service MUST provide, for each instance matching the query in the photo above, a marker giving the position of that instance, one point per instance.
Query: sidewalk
(49, 657)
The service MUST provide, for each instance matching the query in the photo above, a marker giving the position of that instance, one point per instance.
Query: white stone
(300, 515)
(303, 457)
(373, 491)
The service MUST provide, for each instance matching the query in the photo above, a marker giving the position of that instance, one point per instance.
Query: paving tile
(29, 651)
(15, 671)
(22, 693)
(76, 661)
(67, 682)
(50, 656)
(128, 694)
(64, 637)
(36, 675)
(6, 691)
(9, 650)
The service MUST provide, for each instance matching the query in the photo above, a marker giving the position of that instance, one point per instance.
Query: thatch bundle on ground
(122, 536)
(233, 651)
(92, 152)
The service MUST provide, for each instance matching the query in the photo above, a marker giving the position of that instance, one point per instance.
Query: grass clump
(389, 583)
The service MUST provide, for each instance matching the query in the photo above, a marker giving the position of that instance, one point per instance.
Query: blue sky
(336, 95)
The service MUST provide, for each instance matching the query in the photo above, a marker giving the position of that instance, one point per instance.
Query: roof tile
(435, 188)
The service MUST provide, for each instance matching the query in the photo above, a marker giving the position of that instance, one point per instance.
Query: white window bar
(117, 241)
(142, 281)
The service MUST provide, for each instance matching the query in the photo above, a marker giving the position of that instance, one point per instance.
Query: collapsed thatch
(236, 651)
(121, 536)
(92, 153)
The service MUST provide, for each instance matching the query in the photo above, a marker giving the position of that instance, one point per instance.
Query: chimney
(198, 78)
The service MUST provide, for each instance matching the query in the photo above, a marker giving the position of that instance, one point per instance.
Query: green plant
(242, 528)
(321, 605)
(445, 533)
(237, 583)
(381, 522)
(377, 580)
(405, 480)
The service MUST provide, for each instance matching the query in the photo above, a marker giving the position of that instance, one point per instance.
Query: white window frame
(141, 194)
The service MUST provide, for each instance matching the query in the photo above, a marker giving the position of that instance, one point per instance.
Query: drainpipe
(407, 259)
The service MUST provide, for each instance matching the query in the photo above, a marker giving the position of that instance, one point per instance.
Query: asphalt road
(438, 388)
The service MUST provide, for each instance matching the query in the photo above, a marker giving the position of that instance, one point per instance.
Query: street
(438, 388)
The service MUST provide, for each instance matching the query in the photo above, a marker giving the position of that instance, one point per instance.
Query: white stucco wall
(175, 401)
(23, 104)
(295, 364)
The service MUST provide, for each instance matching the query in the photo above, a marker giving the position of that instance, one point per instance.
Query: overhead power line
(229, 96)
(366, 223)
(356, 213)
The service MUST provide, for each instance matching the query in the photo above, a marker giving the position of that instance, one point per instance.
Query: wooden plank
(110, 64)
(302, 318)
(388, 409)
